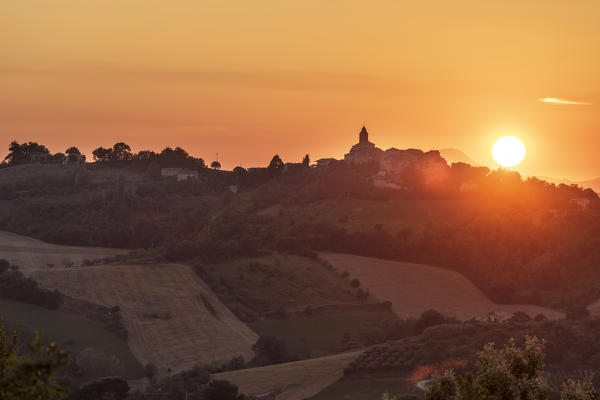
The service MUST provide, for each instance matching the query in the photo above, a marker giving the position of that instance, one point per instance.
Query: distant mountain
(594, 184)
(454, 155)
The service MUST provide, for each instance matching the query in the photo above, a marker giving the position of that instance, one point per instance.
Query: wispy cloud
(555, 100)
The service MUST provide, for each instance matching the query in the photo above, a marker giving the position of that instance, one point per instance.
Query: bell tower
(363, 136)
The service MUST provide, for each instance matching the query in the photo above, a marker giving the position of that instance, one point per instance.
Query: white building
(181, 174)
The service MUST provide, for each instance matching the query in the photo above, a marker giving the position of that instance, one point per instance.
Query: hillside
(174, 320)
(29, 253)
(290, 381)
(414, 288)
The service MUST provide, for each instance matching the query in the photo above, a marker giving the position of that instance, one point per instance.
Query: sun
(508, 151)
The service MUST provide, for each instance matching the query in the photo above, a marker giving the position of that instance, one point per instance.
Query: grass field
(163, 308)
(258, 286)
(72, 334)
(293, 381)
(414, 288)
(30, 253)
(367, 389)
(319, 334)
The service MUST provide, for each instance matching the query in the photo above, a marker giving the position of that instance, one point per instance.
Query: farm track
(414, 288)
(291, 381)
(162, 308)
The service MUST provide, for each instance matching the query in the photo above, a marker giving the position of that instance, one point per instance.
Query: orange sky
(249, 79)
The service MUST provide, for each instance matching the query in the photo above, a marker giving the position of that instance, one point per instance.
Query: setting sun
(508, 151)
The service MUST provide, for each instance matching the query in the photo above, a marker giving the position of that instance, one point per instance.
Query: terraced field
(414, 288)
(30, 253)
(174, 320)
(290, 381)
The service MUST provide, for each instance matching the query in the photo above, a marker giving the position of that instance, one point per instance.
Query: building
(325, 162)
(364, 151)
(181, 174)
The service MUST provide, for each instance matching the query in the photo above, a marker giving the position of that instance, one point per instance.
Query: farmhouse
(181, 174)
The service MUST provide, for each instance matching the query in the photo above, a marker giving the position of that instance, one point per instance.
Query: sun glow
(508, 151)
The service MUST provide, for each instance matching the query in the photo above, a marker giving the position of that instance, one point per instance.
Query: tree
(72, 150)
(512, 373)
(102, 154)
(269, 350)
(215, 165)
(239, 171)
(222, 390)
(20, 153)
(429, 318)
(31, 375)
(100, 389)
(276, 164)
(121, 152)
(306, 161)
(580, 390)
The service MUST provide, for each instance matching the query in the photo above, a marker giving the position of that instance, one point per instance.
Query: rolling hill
(30, 253)
(174, 320)
(414, 288)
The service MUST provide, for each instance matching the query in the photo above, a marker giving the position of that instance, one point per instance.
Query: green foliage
(580, 389)
(512, 373)
(269, 350)
(15, 286)
(222, 390)
(101, 389)
(30, 374)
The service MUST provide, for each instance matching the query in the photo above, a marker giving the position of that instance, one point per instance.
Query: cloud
(555, 100)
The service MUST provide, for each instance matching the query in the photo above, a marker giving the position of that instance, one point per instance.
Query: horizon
(302, 77)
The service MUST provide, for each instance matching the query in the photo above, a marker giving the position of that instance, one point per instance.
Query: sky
(248, 79)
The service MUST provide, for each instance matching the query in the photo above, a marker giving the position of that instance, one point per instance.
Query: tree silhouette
(306, 160)
(215, 165)
(276, 164)
(72, 150)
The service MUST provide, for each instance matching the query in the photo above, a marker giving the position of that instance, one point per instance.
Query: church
(364, 151)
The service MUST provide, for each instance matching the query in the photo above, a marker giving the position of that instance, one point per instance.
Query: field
(174, 320)
(30, 253)
(367, 389)
(72, 334)
(258, 287)
(319, 334)
(414, 288)
(293, 381)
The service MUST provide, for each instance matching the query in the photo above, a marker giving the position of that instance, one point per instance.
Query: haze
(295, 77)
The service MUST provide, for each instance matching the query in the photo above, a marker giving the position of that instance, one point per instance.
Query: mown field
(30, 253)
(72, 334)
(290, 381)
(174, 320)
(414, 288)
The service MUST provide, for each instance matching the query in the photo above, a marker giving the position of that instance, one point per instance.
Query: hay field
(414, 288)
(164, 308)
(28, 253)
(291, 381)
